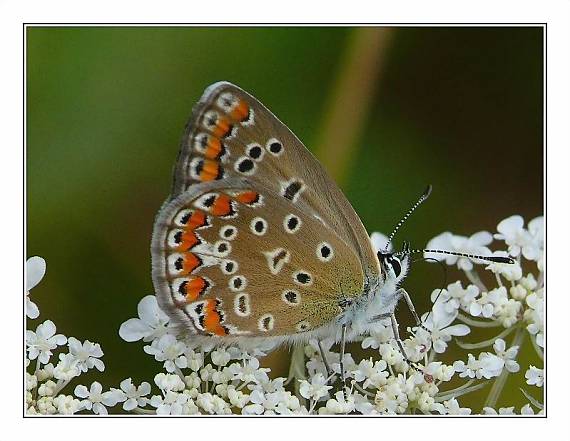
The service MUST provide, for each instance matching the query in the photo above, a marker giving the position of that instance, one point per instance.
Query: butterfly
(256, 241)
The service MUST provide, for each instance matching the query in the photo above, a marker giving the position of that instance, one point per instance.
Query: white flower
(486, 366)
(519, 240)
(438, 322)
(31, 381)
(194, 359)
(66, 404)
(95, 400)
(248, 372)
(508, 355)
(453, 408)
(47, 389)
(436, 370)
(339, 405)
(392, 398)
(536, 230)
(35, 271)
(45, 373)
(379, 335)
(534, 376)
(171, 404)
(169, 350)
(502, 411)
(169, 382)
(476, 244)
(372, 373)
(527, 410)
(316, 389)
(41, 342)
(455, 296)
(87, 354)
(220, 357)
(237, 398)
(213, 404)
(66, 368)
(135, 396)
(151, 324)
(46, 407)
(379, 242)
(535, 316)
(270, 403)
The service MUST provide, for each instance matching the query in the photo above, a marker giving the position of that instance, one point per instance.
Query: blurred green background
(461, 108)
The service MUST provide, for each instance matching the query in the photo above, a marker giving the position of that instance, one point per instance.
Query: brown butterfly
(257, 242)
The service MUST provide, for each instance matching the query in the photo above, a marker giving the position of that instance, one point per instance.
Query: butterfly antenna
(422, 199)
(494, 259)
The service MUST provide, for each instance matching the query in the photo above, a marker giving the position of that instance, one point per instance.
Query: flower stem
(501, 380)
(143, 411)
(180, 374)
(536, 347)
(531, 399)
(364, 391)
(484, 343)
(478, 323)
(474, 278)
(60, 385)
(297, 370)
(461, 390)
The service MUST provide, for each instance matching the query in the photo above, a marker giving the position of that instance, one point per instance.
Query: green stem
(478, 323)
(474, 278)
(297, 370)
(364, 391)
(501, 380)
(485, 343)
(461, 390)
(143, 411)
(537, 348)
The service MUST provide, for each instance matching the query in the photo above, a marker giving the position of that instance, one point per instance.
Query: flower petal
(134, 329)
(35, 271)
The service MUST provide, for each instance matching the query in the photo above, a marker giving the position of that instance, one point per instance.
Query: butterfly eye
(396, 266)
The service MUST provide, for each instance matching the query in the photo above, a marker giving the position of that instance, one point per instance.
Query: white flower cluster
(209, 380)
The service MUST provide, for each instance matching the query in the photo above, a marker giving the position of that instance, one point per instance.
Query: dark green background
(460, 108)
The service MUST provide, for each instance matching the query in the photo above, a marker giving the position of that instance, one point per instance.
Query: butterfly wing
(231, 134)
(234, 258)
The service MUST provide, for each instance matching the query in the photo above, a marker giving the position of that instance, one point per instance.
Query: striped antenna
(422, 199)
(495, 259)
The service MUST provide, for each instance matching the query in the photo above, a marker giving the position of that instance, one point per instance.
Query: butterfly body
(256, 242)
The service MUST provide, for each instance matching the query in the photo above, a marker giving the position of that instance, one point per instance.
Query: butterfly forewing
(231, 134)
(231, 258)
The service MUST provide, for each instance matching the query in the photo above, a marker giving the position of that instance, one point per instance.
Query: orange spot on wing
(191, 262)
(247, 197)
(197, 220)
(210, 170)
(213, 318)
(222, 128)
(222, 206)
(213, 149)
(195, 288)
(240, 111)
(188, 240)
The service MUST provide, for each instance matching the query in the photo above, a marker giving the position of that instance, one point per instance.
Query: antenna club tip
(500, 259)
(428, 190)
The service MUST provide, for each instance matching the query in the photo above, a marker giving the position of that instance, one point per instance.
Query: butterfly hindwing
(231, 258)
(232, 135)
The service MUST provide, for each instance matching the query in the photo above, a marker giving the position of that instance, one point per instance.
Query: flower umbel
(222, 380)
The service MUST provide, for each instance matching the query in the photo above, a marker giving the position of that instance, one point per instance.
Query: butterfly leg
(404, 293)
(342, 374)
(326, 363)
(396, 333)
